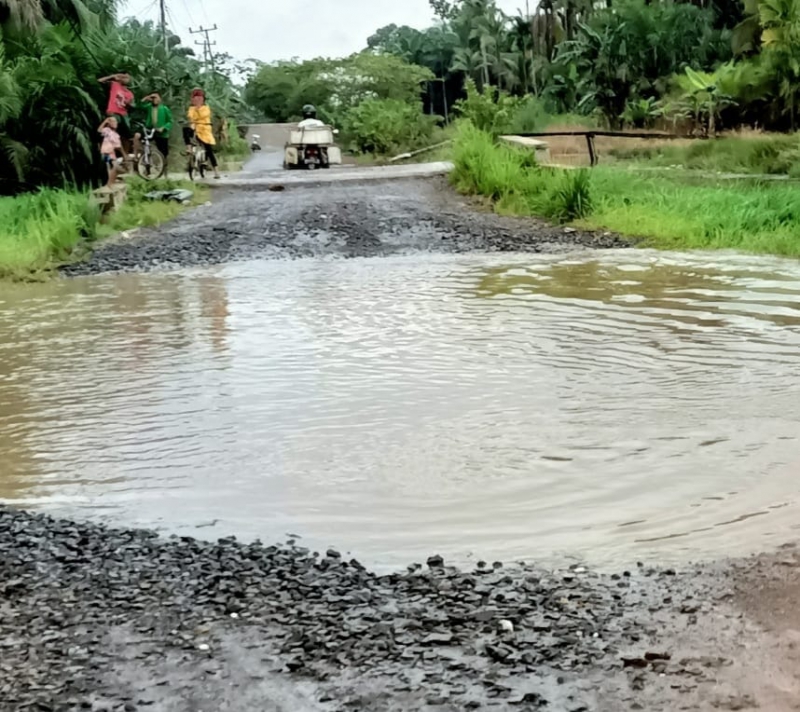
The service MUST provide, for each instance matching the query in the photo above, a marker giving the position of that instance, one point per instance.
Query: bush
(530, 116)
(490, 110)
(384, 126)
(234, 145)
(571, 199)
(497, 113)
(642, 113)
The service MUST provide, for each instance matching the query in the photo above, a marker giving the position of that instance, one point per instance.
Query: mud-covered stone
(121, 619)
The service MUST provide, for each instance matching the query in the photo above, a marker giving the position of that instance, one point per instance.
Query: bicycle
(150, 163)
(198, 161)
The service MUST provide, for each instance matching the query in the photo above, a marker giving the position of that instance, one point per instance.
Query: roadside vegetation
(740, 153)
(43, 229)
(663, 211)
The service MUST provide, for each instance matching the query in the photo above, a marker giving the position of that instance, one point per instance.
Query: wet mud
(111, 619)
(335, 220)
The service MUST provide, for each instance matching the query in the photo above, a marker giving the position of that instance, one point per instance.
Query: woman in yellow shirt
(199, 115)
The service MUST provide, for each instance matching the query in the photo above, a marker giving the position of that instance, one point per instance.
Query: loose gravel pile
(115, 619)
(348, 220)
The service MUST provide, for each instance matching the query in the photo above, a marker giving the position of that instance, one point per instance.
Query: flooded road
(611, 406)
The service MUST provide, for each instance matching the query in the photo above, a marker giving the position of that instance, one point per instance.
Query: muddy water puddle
(609, 407)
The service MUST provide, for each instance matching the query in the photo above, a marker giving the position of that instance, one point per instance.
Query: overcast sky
(282, 29)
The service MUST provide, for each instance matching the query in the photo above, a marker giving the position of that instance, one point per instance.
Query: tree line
(723, 62)
(704, 63)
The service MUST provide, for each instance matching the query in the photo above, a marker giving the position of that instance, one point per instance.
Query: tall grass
(765, 153)
(234, 146)
(39, 228)
(511, 177)
(752, 216)
(666, 212)
(43, 229)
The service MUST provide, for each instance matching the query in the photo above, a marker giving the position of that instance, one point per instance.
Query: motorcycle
(254, 144)
(311, 148)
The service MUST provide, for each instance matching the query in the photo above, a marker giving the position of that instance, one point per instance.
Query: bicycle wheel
(151, 164)
(202, 164)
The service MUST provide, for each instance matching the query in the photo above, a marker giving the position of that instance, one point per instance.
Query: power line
(144, 12)
(188, 12)
(207, 44)
(203, 9)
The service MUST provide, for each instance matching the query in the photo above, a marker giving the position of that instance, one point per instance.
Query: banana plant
(704, 97)
(641, 113)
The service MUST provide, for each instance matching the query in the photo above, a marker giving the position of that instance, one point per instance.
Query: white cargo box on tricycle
(311, 147)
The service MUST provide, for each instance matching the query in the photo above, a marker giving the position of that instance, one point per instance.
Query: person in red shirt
(120, 100)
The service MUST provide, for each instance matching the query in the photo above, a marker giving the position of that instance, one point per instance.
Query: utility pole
(163, 5)
(208, 55)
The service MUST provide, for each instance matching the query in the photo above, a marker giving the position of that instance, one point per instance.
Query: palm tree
(80, 15)
(775, 26)
(27, 13)
(10, 106)
(521, 40)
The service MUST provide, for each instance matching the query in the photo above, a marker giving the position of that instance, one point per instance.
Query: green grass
(235, 148)
(137, 211)
(685, 214)
(509, 176)
(665, 212)
(39, 231)
(765, 154)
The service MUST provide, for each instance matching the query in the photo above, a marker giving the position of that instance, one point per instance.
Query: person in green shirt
(157, 116)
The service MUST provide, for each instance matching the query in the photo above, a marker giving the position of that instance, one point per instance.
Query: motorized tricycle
(311, 147)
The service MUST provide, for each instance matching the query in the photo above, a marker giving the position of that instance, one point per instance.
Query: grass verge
(138, 211)
(664, 212)
(753, 153)
(39, 231)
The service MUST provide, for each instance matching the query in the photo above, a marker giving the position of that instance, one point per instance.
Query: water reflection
(59, 339)
(700, 291)
(609, 406)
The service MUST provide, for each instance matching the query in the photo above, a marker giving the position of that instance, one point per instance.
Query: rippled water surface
(610, 406)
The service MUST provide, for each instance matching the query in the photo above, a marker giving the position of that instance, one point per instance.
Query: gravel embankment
(113, 619)
(342, 220)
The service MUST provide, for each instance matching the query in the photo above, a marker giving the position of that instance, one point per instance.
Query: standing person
(199, 115)
(109, 147)
(158, 117)
(120, 101)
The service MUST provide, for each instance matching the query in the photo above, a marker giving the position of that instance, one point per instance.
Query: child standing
(111, 144)
(120, 102)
